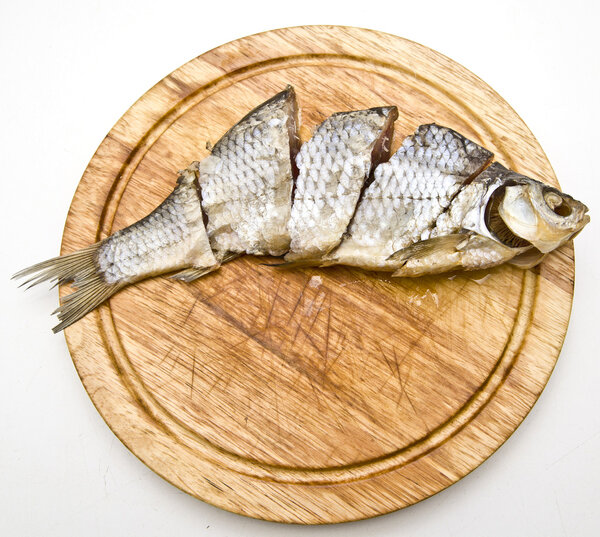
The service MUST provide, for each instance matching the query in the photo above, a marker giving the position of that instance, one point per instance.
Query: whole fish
(438, 204)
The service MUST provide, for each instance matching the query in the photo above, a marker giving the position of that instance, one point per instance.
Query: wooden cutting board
(311, 395)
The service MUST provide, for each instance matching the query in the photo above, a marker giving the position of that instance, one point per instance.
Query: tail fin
(81, 269)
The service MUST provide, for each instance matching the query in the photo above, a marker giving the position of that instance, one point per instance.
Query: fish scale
(333, 164)
(248, 170)
(407, 179)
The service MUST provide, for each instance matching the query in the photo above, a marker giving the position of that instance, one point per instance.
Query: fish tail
(80, 269)
(63, 269)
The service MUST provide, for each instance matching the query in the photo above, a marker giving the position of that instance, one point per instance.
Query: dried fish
(438, 204)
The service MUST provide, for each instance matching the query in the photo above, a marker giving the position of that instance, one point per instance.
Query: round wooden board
(311, 395)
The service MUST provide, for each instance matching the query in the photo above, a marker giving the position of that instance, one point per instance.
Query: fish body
(332, 169)
(438, 204)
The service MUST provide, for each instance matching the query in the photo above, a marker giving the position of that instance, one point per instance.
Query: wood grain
(311, 395)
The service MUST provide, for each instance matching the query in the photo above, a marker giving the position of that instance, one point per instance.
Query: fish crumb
(315, 282)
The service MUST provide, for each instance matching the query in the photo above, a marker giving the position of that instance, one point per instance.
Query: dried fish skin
(408, 194)
(246, 182)
(172, 237)
(332, 169)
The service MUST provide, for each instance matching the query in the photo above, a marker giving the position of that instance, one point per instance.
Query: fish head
(540, 214)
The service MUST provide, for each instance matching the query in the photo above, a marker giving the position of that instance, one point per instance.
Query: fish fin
(193, 273)
(528, 259)
(307, 262)
(229, 256)
(80, 268)
(89, 294)
(430, 246)
(63, 269)
(466, 251)
(431, 256)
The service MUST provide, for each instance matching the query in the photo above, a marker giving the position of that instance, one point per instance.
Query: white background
(69, 70)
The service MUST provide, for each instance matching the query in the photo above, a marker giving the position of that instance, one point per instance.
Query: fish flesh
(439, 203)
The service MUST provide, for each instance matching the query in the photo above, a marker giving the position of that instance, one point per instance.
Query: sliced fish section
(246, 182)
(332, 169)
(170, 238)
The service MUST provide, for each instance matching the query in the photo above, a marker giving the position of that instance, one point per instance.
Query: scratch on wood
(249, 337)
(410, 402)
(311, 341)
(334, 361)
(275, 391)
(293, 383)
(212, 386)
(361, 347)
(327, 336)
(314, 389)
(230, 374)
(191, 308)
(388, 363)
(193, 373)
(166, 355)
(312, 324)
(299, 298)
(314, 320)
(268, 321)
(175, 361)
(399, 376)
(212, 484)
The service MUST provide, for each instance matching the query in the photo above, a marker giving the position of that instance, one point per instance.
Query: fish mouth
(586, 216)
(584, 219)
(584, 222)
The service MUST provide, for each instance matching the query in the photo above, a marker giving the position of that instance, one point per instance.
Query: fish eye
(557, 203)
